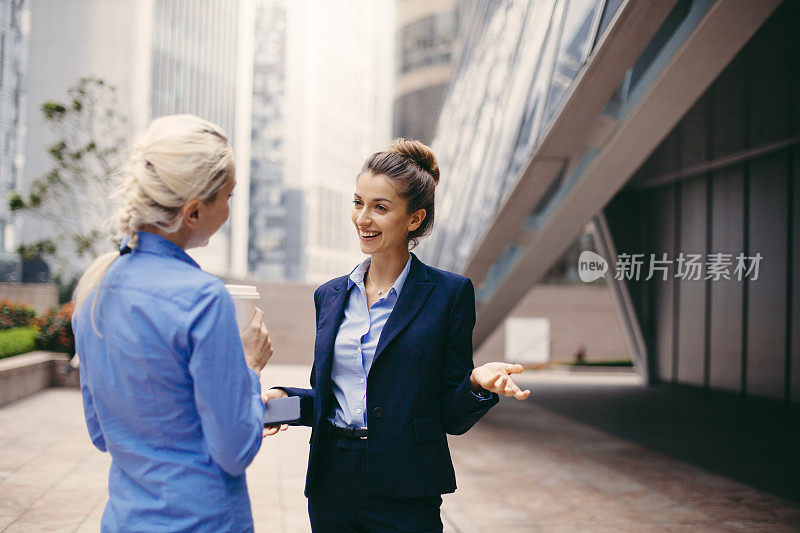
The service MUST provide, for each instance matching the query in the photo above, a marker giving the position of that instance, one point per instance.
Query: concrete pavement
(549, 473)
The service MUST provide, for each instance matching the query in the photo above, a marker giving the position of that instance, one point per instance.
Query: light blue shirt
(167, 392)
(356, 342)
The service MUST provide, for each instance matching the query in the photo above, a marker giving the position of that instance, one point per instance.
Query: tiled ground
(552, 475)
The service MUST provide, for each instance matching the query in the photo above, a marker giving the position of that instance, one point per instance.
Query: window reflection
(580, 24)
(428, 41)
(516, 63)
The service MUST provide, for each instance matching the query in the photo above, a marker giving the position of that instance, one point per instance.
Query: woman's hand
(255, 338)
(494, 377)
(273, 394)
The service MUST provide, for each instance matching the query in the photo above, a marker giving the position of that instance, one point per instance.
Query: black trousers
(342, 502)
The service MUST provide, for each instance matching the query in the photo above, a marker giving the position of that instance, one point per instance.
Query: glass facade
(14, 29)
(194, 70)
(270, 234)
(415, 113)
(423, 66)
(427, 41)
(194, 59)
(338, 112)
(517, 61)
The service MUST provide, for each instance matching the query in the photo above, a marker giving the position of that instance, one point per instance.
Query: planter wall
(25, 374)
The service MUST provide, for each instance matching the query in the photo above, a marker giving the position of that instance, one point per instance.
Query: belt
(349, 432)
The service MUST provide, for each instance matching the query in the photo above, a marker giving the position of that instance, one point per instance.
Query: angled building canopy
(553, 107)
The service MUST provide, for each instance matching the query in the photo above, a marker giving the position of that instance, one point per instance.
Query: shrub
(14, 315)
(55, 330)
(15, 341)
(66, 286)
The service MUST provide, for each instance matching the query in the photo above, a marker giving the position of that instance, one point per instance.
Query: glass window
(517, 62)
(2, 57)
(609, 11)
(427, 41)
(577, 34)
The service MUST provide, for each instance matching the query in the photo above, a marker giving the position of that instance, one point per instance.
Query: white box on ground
(527, 340)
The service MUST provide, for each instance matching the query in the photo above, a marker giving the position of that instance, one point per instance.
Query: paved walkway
(546, 474)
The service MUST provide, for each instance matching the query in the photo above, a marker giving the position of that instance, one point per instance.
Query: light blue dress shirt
(167, 392)
(356, 342)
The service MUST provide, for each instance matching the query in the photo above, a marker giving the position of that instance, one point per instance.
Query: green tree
(92, 135)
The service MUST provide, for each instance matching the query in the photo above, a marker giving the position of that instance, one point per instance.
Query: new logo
(591, 266)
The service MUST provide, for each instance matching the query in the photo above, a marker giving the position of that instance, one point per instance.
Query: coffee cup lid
(243, 291)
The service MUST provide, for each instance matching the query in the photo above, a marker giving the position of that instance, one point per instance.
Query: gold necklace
(380, 292)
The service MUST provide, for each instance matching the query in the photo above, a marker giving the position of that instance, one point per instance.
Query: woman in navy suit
(393, 370)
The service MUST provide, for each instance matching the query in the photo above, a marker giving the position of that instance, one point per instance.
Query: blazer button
(378, 412)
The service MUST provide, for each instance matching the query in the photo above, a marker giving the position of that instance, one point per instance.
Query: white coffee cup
(245, 300)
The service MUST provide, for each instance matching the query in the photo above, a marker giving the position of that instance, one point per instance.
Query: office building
(338, 112)
(669, 127)
(201, 62)
(426, 38)
(164, 57)
(14, 29)
(275, 219)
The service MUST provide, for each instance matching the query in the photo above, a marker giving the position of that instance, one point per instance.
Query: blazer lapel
(413, 296)
(331, 315)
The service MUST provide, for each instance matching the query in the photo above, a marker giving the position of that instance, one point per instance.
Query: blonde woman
(170, 389)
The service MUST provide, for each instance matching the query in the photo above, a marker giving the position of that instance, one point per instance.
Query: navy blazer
(418, 387)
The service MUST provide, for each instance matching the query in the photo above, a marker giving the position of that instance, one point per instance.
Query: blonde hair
(178, 159)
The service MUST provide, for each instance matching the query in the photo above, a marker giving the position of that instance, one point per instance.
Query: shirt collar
(155, 244)
(357, 276)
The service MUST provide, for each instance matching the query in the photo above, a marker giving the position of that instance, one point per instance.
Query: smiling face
(381, 216)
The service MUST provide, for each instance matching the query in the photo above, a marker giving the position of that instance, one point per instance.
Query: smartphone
(282, 411)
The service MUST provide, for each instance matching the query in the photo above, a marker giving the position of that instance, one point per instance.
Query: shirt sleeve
(89, 413)
(226, 392)
(482, 395)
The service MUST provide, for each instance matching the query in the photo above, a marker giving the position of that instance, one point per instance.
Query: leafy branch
(91, 139)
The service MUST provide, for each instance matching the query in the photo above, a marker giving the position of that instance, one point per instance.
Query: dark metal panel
(694, 134)
(725, 358)
(691, 316)
(793, 322)
(767, 58)
(795, 278)
(663, 239)
(728, 133)
(766, 315)
(664, 160)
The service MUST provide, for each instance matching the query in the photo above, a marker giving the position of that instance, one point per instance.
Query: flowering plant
(55, 330)
(14, 315)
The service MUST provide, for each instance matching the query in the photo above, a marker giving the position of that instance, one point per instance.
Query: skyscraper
(165, 57)
(339, 93)
(195, 69)
(275, 222)
(426, 39)
(194, 59)
(14, 28)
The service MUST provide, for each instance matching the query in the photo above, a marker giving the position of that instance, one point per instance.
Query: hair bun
(419, 153)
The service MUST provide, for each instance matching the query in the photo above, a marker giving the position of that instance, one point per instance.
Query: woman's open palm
(494, 377)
